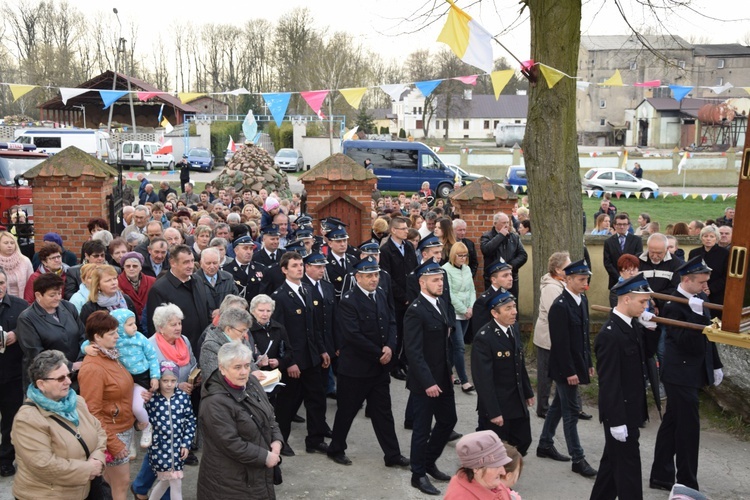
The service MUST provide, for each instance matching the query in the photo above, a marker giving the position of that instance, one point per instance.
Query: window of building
(437, 124)
(414, 110)
(681, 64)
(420, 110)
(720, 63)
(720, 82)
(495, 123)
(602, 121)
(517, 121)
(445, 124)
(420, 124)
(466, 136)
(466, 124)
(602, 103)
(486, 124)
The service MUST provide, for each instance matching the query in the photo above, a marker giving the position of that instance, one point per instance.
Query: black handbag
(277, 478)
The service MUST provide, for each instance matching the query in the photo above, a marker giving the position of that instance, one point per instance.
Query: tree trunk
(550, 144)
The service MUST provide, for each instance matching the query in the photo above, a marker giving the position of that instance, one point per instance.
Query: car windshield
(590, 174)
(287, 153)
(199, 153)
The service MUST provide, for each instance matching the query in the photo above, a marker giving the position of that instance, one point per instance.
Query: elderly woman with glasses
(717, 259)
(52, 463)
(234, 325)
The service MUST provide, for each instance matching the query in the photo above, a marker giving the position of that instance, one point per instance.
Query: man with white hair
(218, 283)
(141, 216)
(234, 218)
(501, 243)
(725, 237)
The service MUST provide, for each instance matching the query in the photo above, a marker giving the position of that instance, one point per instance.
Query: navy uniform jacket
(324, 312)
(427, 346)
(480, 315)
(498, 370)
(621, 354)
(398, 266)
(248, 284)
(335, 273)
(262, 257)
(384, 283)
(413, 292)
(570, 353)
(689, 357)
(298, 319)
(364, 328)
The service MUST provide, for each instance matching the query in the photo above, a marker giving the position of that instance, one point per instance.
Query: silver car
(615, 179)
(289, 159)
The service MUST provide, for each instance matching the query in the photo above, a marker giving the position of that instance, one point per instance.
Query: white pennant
(394, 90)
(704, 196)
(69, 93)
(646, 194)
(590, 192)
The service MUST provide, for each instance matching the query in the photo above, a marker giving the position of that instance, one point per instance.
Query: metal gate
(114, 206)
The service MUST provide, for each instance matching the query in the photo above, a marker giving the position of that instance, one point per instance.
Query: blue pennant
(277, 104)
(427, 87)
(110, 96)
(679, 91)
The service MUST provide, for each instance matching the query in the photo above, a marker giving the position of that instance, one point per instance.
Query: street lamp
(82, 108)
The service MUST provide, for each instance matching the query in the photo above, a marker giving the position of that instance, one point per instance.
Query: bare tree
(421, 66)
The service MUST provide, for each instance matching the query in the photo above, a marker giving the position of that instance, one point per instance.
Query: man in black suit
(303, 378)
(427, 329)
(331, 223)
(371, 249)
(459, 227)
(498, 369)
(618, 244)
(622, 348)
(430, 248)
(270, 254)
(570, 365)
(398, 258)
(368, 334)
(340, 263)
(501, 279)
(218, 283)
(155, 261)
(249, 277)
(691, 361)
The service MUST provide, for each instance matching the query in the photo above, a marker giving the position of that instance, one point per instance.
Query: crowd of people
(172, 327)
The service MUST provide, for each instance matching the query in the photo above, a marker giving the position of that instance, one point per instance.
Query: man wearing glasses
(619, 244)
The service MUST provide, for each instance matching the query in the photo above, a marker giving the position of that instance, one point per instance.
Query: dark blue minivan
(403, 166)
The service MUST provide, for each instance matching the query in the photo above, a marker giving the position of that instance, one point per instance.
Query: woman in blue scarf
(52, 462)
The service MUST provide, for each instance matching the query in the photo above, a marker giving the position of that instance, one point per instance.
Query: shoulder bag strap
(67, 428)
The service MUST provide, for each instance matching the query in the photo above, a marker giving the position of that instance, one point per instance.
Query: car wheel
(443, 190)
(148, 166)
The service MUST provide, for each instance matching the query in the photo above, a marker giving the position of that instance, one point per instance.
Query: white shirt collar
(503, 328)
(626, 319)
(683, 292)
(363, 290)
(294, 286)
(576, 297)
(314, 282)
(431, 300)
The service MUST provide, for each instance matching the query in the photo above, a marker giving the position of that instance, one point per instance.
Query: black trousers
(543, 381)
(352, 392)
(515, 431)
(678, 437)
(427, 443)
(310, 387)
(11, 399)
(400, 360)
(619, 473)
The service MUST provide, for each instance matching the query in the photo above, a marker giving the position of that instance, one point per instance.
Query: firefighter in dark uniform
(340, 263)
(330, 223)
(249, 276)
(427, 328)
(371, 249)
(691, 361)
(368, 331)
(498, 369)
(269, 255)
(430, 248)
(501, 278)
(622, 348)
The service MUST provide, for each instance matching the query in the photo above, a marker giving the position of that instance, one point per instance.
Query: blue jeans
(145, 480)
(565, 405)
(457, 339)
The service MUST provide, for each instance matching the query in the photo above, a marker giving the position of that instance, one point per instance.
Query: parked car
(466, 177)
(201, 159)
(515, 176)
(615, 179)
(289, 159)
(144, 154)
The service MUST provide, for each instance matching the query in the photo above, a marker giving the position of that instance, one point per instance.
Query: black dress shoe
(583, 468)
(455, 435)
(398, 374)
(7, 470)
(332, 395)
(584, 416)
(328, 433)
(287, 451)
(408, 425)
(541, 414)
(552, 453)
(298, 419)
(401, 461)
(437, 474)
(340, 459)
(317, 448)
(659, 485)
(424, 485)
(191, 459)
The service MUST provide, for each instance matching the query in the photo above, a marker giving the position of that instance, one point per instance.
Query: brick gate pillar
(69, 189)
(477, 203)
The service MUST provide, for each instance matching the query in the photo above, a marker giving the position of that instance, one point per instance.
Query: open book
(273, 378)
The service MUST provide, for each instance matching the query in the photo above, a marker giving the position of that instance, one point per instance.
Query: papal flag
(467, 39)
(167, 126)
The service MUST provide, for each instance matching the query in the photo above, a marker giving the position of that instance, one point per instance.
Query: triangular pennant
(186, 97)
(551, 75)
(277, 104)
(695, 196)
(664, 195)
(145, 96)
(69, 93)
(724, 197)
(350, 134)
(651, 83)
(714, 196)
(720, 88)
(314, 99)
(638, 194)
(685, 196)
(394, 90)
(468, 80)
(110, 96)
(499, 80)
(583, 86)
(19, 91)
(163, 173)
(353, 96)
(680, 91)
(746, 89)
(627, 194)
(427, 86)
(618, 194)
(598, 194)
(614, 80)
(704, 196)
(240, 91)
(589, 192)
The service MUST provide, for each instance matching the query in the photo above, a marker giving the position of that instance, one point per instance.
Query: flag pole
(527, 73)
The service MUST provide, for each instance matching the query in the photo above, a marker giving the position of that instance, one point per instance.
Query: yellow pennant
(695, 195)
(499, 80)
(637, 194)
(613, 81)
(19, 91)
(746, 89)
(186, 97)
(353, 96)
(551, 75)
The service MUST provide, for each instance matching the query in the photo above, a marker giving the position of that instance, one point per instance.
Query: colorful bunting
(350, 134)
(19, 91)
(651, 83)
(500, 79)
(680, 91)
(468, 80)
(467, 39)
(551, 75)
(186, 97)
(239, 91)
(613, 81)
(145, 96)
(720, 88)
(277, 104)
(353, 96)
(314, 99)
(68, 93)
(427, 86)
(394, 90)
(638, 194)
(110, 96)
(583, 86)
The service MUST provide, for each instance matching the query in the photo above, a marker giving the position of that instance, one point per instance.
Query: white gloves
(696, 305)
(718, 376)
(645, 320)
(620, 432)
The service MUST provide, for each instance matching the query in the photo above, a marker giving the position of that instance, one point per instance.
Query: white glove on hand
(645, 320)
(696, 305)
(620, 432)
(718, 376)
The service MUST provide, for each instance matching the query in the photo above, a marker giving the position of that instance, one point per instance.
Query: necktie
(342, 263)
(273, 256)
(401, 249)
(212, 280)
(372, 296)
(320, 289)
(622, 243)
(302, 293)
(439, 307)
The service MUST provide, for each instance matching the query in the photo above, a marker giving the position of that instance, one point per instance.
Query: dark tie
(622, 243)
(273, 256)
(342, 263)
(246, 269)
(372, 296)
(302, 293)
(401, 249)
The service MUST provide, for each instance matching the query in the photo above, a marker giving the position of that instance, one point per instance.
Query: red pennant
(314, 99)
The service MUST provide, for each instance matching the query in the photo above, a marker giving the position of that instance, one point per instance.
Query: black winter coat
(495, 245)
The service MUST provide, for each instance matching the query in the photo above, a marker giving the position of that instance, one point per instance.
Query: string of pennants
(278, 102)
(595, 193)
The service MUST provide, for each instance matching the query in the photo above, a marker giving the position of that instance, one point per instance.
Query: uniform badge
(339, 278)
(315, 302)
(235, 268)
(507, 354)
(299, 311)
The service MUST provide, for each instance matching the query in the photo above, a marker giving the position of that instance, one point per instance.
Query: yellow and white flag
(467, 39)
(167, 126)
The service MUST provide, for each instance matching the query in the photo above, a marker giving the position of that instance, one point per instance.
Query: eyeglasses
(242, 331)
(59, 379)
(462, 255)
(400, 228)
(54, 257)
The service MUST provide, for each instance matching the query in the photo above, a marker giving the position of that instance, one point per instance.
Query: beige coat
(549, 288)
(51, 462)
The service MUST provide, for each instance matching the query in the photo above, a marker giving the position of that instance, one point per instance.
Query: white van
(144, 154)
(54, 140)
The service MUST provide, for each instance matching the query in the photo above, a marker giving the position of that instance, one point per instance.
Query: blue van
(403, 166)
